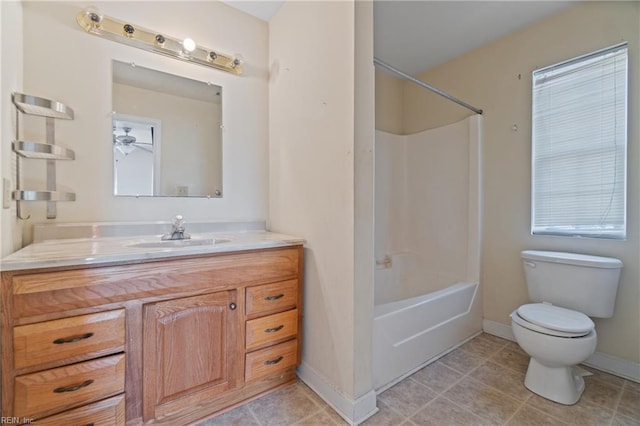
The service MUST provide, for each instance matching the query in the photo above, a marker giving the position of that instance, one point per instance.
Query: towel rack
(49, 151)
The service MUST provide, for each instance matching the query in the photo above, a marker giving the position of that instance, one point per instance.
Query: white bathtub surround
(408, 333)
(428, 216)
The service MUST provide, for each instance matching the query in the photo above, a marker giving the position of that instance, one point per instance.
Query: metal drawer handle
(72, 339)
(274, 329)
(73, 388)
(274, 361)
(276, 297)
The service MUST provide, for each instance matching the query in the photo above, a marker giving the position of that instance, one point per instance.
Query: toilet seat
(553, 320)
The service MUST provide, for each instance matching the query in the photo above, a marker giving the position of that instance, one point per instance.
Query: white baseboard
(611, 364)
(599, 360)
(498, 329)
(353, 412)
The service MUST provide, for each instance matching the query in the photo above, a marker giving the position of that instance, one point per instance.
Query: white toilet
(556, 330)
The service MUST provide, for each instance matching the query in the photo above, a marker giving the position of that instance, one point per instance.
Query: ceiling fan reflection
(126, 143)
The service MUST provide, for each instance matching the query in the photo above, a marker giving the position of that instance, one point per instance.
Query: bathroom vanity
(148, 336)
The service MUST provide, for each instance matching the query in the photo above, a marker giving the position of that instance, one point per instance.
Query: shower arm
(379, 63)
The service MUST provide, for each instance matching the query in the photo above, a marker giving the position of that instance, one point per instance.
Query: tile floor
(480, 383)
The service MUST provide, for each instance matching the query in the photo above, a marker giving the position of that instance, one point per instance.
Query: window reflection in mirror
(167, 137)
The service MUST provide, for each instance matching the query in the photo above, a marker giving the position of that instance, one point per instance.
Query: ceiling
(416, 35)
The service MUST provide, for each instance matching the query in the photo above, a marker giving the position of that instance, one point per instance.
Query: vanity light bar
(94, 22)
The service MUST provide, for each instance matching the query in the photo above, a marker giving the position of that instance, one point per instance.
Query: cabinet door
(190, 351)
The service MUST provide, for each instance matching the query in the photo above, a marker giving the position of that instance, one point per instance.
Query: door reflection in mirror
(136, 155)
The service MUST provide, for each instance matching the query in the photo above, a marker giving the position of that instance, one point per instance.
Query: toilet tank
(575, 281)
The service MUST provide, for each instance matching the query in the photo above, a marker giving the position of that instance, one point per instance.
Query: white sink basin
(179, 243)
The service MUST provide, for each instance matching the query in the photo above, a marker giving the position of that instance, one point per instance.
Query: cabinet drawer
(109, 412)
(271, 297)
(74, 338)
(262, 363)
(52, 391)
(271, 329)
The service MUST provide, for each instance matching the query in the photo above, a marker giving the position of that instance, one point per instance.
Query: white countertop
(96, 251)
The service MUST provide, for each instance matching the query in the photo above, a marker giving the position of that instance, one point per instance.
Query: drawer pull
(274, 361)
(73, 388)
(276, 297)
(72, 339)
(274, 329)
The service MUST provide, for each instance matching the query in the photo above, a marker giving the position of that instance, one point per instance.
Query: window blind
(579, 145)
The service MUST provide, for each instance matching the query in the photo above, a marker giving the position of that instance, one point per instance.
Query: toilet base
(564, 385)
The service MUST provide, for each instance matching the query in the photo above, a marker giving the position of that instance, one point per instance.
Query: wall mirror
(167, 134)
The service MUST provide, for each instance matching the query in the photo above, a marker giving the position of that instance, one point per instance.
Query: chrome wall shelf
(51, 110)
(28, 149)
(34, 105)
(25, 195)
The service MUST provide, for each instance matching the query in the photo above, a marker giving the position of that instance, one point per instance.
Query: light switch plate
(6, 193)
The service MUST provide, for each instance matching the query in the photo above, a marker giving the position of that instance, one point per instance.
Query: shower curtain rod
(378, 62)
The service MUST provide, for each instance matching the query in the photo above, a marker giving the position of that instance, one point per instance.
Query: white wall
(65, 63)
(311, 170)
(321, 136)
(364, 206)
(11, 81)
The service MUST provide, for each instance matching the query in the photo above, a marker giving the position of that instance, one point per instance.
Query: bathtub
(410, 333)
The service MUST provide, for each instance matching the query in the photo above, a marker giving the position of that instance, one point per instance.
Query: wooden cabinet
(274, 359)
(272, 331)
(47, 392)
(108, 412)
(189, 351)
(68, 339)
(167, 341)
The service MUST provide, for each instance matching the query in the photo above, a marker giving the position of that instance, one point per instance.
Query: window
(579, 146)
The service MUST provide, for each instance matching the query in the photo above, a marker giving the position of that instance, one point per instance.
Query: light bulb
(94, 15)
(237, 60)
(188, 45)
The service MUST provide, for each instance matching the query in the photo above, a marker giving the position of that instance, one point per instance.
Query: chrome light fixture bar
(94, 22)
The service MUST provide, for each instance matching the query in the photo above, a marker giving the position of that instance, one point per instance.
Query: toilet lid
(555, 318)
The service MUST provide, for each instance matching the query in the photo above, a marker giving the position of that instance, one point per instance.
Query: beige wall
(314, 175)
(497, 78)
(389, 103)
(63, 62)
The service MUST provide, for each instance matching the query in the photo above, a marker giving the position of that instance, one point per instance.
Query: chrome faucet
(177, 230)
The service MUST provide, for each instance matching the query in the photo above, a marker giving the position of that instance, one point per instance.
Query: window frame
(581, 231)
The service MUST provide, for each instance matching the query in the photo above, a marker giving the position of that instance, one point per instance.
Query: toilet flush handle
(530, 264)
